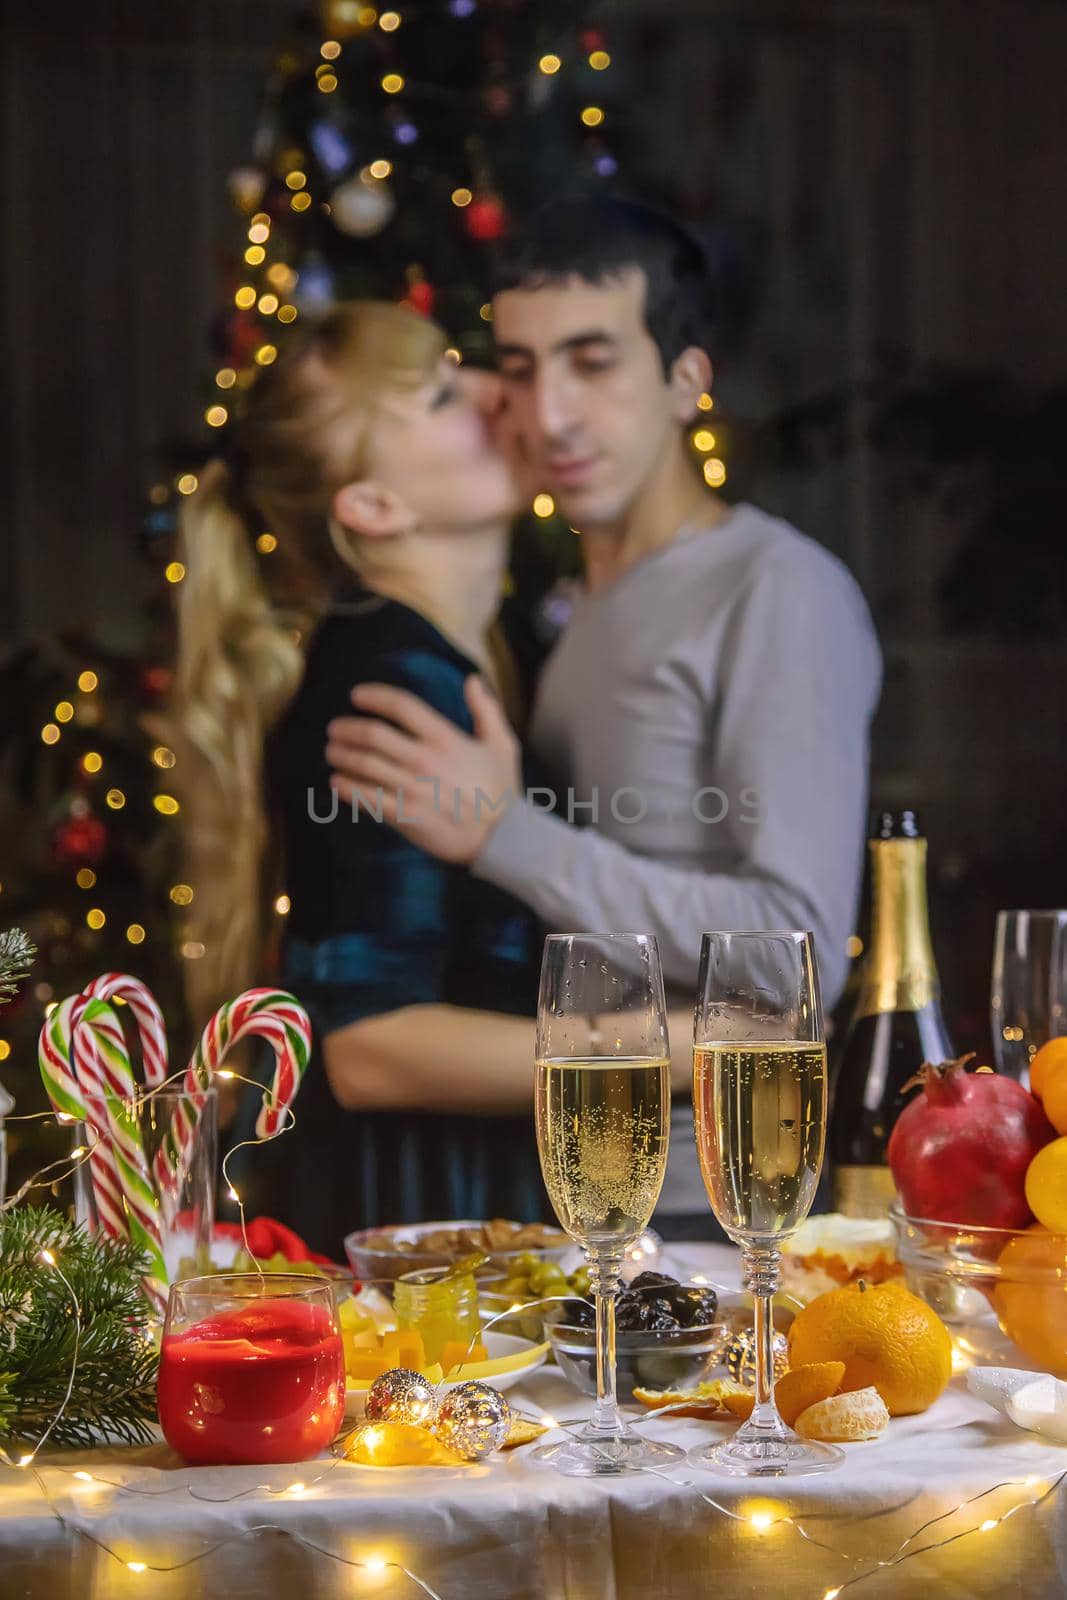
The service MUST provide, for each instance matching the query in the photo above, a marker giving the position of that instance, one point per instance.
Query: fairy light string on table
(279, 1118)
(762, 1522)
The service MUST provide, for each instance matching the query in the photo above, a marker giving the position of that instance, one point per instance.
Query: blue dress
(376, 923)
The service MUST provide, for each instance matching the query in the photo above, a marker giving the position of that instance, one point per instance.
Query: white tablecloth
(511, 1530)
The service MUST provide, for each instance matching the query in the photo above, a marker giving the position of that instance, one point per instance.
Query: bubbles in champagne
(602, 1131)
(760, 1116)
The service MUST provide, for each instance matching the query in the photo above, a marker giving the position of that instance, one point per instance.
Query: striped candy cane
(86, 1070)
(109, 1073)
(55, 1057)
(153, 1036)
(269, 1014)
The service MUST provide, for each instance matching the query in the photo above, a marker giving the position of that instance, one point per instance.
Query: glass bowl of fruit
(667, 1336)
(381, 1255)
(1002, 1290)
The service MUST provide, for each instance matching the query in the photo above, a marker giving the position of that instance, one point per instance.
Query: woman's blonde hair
(304, 433)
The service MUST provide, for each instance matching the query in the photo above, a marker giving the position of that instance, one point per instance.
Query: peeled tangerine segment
(400, 1444)
(845, 1418)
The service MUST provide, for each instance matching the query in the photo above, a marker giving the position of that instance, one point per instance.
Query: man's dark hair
(597, 237)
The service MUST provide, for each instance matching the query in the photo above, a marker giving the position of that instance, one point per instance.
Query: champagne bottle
(897, 1023)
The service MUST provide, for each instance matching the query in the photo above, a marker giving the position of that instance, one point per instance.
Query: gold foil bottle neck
(900, 973)
(863, 1191)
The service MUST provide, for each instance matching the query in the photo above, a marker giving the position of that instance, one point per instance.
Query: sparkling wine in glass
(759, 1108)
(603, 1103)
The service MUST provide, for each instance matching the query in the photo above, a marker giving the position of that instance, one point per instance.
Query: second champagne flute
(759, 1109)
(603, 1101)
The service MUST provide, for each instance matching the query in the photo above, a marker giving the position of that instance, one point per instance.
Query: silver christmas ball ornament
(361, 206)
(740, 1357)
(401, 1395)
(474, 1419)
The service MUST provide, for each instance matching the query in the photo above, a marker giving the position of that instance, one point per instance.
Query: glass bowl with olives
(530, 1279)
(667, 1336)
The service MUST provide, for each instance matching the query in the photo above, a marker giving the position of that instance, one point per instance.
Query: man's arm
(798, 682)
(796, 689)
(445, 1058)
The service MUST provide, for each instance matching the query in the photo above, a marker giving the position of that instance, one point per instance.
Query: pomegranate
(960, 1150)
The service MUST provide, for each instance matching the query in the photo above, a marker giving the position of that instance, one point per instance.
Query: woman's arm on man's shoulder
(448, 1058)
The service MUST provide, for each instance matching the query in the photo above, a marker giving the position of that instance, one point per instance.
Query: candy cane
(85, 1065)
(55, 1057)
(153, 1036)
(108, 1073)
(150, 1025)
(269, 1014)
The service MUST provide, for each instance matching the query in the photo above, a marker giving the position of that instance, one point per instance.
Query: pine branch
(114, 1392)
(16, 958)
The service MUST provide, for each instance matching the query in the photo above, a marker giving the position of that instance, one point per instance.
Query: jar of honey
(441, 1303)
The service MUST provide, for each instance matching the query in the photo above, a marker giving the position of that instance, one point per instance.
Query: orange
(1046, 1186)
(1032, 1310)
(888, 1338)
(1054, 1100)
(1048, 1062)
(802, 1387)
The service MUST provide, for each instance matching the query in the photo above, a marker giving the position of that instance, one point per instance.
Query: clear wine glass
(759, 1107)
(603, 1102)
(1028, 995)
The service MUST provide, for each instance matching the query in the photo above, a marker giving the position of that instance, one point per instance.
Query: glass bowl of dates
(381, 1255)
(667, 1336)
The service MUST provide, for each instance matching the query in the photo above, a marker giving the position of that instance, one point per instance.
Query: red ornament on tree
(486, 217)
(80, 839)
(421, 295)
(155, 681)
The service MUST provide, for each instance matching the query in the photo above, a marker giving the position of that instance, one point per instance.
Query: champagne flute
(759, 1106)
(1028, 996)
(603, 1102)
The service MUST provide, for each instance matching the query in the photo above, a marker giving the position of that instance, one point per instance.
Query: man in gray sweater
(706, 711)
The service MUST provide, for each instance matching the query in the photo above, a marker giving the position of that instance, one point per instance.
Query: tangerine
(1031, 1298)
(887, 1338)
(1054, 1099)
(1048, 1062)
(1046, 1186)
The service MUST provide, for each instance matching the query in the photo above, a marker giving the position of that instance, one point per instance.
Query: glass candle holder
(441, 1304)
(251, 1368)
(181, 1176)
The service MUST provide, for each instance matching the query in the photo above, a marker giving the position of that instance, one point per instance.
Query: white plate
(496, 1344)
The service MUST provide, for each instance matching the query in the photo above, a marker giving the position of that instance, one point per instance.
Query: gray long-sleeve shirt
(714, 704)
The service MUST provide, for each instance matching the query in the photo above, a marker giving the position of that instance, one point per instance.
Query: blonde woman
(375, 463)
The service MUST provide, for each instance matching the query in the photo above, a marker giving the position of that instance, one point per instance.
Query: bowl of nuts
(380, 1255)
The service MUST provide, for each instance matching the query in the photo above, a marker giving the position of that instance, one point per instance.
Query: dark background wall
(881, 184)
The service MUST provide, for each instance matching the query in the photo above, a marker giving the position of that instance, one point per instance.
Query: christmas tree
(394, 150)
